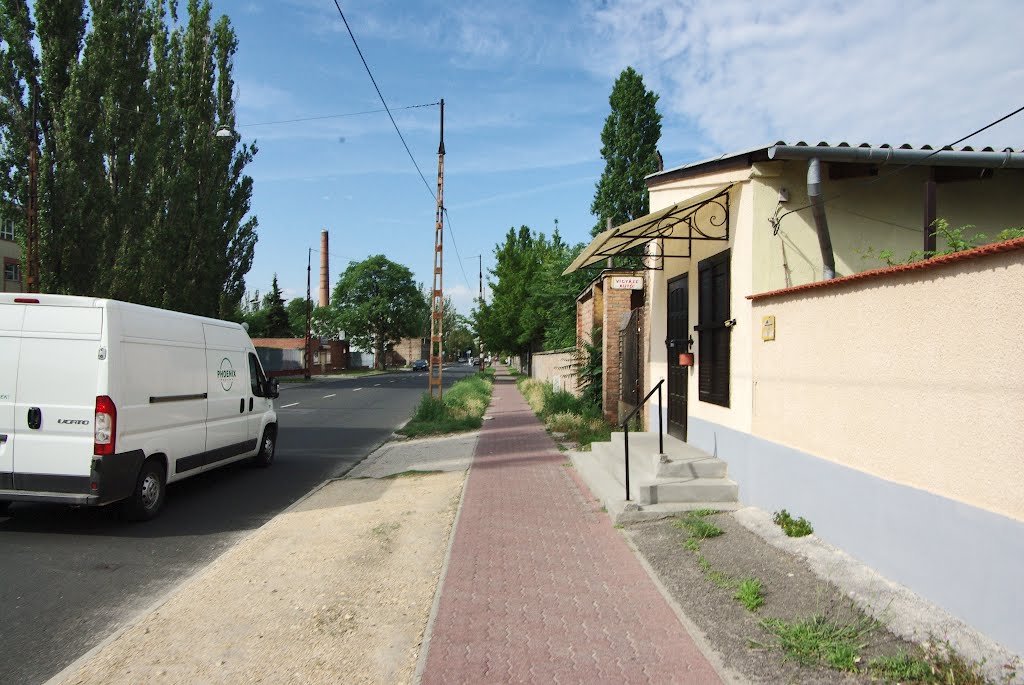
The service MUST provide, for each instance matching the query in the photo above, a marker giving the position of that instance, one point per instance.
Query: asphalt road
(70, 577)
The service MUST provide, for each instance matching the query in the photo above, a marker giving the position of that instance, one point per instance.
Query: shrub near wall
(563, 412)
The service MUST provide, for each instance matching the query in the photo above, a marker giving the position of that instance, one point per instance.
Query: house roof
(280, 343)
(864, 153)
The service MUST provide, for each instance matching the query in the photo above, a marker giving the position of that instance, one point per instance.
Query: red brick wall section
(617, 306)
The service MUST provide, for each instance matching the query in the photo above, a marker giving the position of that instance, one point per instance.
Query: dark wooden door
(678, 333)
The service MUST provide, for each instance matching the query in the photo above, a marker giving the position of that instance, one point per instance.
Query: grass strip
(461, 410)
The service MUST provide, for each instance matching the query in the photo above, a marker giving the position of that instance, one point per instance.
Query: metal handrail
(629, 417)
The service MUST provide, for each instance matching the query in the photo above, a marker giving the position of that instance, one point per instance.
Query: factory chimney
(325, 281)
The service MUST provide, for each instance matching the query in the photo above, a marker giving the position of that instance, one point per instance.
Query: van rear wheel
(147, 498)
(265, 457)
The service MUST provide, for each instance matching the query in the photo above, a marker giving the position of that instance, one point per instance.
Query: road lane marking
(285, 406)
(356, 389)
(376, 385)
(333, 394)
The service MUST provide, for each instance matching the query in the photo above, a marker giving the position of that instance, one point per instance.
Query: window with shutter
(713, 334)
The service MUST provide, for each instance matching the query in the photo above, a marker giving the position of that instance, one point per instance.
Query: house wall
(738, 414)
(866, 215)
(877, 418)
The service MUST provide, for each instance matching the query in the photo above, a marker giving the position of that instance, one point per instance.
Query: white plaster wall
(557, 368)
(915, 378)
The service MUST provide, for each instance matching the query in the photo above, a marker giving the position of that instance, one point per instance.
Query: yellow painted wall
(738, 414)
(915, 378)
(865, 215)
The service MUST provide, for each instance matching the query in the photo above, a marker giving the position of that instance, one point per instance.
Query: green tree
(297, 316)
(325, 322)
(379, 304)
(138, 199)
(629, 142)
(278, 325)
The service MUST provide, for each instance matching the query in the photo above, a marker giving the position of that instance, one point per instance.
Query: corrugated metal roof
(762, 152)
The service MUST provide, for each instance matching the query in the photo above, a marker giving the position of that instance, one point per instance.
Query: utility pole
(437, 297)
(32, 219)
(309, 312)
(481, 308)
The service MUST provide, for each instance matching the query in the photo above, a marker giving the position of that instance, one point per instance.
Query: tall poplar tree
(629, 146)
(138, 199)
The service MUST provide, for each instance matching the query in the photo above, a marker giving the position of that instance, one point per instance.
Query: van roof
(102, 303)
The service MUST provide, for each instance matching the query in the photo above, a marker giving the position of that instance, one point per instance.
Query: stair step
(688, 490)
(695, 467)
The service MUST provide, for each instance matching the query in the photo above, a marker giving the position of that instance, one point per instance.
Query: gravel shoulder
(338, 588)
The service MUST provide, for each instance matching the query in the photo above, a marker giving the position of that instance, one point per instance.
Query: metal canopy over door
(11, 316)
(678, 327)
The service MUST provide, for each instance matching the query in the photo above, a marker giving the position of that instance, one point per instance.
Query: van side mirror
(273, 388)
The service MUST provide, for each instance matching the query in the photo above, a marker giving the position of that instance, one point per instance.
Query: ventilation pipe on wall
(828, 259)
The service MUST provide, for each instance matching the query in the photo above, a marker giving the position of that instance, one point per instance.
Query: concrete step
(690, 490)
(680, 460)
(695, 467)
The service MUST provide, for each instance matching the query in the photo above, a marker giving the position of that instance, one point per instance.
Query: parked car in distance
(420, 365)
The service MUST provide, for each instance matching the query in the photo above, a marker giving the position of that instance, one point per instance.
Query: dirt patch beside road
(338, 589)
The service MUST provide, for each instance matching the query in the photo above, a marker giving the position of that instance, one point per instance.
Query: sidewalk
(539, 586)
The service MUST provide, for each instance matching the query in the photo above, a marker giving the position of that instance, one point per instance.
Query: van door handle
(241, 406)
(250, 404)
(3, 438)
(35, 418)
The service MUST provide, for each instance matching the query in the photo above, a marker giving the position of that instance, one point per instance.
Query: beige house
(885, 404)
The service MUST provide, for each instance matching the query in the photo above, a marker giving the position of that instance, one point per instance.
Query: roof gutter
(828, 259)
(1006, 159)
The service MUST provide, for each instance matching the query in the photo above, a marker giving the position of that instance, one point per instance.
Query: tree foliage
(138, 200)
(278, 325)
(532, 307)
(629, 142)
(379, 304)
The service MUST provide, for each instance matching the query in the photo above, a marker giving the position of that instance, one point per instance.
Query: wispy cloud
(877, 71)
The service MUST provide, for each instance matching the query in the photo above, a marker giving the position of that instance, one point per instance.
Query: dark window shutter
(714, 337)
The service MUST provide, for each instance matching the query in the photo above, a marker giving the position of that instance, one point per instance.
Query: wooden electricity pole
(437, 294)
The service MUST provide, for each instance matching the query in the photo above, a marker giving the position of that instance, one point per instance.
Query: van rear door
(55, 404)
(11, 316)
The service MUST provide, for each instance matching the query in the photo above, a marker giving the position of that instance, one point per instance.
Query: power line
(451, 233)
(776, 221)
(334, 116)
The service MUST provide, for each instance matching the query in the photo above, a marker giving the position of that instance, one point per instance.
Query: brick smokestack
(325, 280)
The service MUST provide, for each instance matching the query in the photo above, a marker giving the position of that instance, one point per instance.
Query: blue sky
(526, 89)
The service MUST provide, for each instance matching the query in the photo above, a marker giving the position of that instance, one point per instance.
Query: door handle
(241, 406)
(250, 404)
(3, 438)
(35, 418)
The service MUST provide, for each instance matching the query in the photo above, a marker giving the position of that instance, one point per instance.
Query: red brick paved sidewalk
(540, 587)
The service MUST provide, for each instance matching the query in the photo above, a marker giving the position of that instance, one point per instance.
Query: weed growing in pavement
(794, 528)
(750, 594)
(704, 512)
(821, 641)
(902, 668)
(698, 528)
(692, 544)
(461, 410)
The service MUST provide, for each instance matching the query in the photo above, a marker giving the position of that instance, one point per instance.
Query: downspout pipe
(828, 259)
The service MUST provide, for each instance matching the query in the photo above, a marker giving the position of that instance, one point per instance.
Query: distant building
(10, 251)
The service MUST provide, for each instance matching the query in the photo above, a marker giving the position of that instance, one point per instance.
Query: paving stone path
(540, 587)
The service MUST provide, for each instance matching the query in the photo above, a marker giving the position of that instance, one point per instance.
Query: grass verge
(563, 412)
(462, 408)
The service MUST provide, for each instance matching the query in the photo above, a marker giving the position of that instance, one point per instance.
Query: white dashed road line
(333, 394)
(356, 389)
(285, 406)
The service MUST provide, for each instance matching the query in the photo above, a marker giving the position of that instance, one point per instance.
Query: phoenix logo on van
(73, 422)
(226, 374)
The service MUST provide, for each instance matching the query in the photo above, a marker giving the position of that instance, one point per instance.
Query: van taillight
(105, 425)
(26, 300)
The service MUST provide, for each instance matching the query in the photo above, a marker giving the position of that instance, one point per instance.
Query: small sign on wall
(767, 328)
(627, 282)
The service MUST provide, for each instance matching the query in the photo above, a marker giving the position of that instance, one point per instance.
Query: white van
(103, 401)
